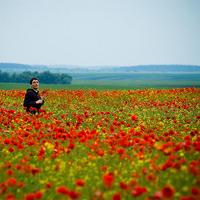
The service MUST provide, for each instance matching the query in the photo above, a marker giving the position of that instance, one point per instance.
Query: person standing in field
(32, 100)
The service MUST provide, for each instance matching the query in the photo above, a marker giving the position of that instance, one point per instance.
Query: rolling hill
(17, 68)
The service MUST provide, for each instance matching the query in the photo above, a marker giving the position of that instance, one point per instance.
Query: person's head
(34, 82)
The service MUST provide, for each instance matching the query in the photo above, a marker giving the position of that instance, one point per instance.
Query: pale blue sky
(100, 32)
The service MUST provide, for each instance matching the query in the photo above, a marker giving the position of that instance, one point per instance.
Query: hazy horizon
(96, 33)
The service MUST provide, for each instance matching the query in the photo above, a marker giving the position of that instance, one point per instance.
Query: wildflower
(188, 198)
(73, 194)
(100, 152)
(168, 191)
(41, 153)
(11, 181)
(80, 182)
(62, 190)
(137, 191)
(120, 151)
(71, 145)
(10, 197)
(158, 195)
(11, 149)
(195, 191)
(116, 196)
(30, 196)
(108, 179)
(35, 171)
(123, 185)
(20, 184)
(48, 185)
(104, 168)
(7, 141)
(134, 117)
(38, 195)
(9, 172)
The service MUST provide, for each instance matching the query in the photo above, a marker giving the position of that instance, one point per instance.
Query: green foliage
(114, 81)
(44, 77)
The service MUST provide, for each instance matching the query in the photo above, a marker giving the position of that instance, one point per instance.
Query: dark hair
(32, 80)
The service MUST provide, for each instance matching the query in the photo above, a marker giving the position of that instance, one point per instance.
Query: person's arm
(28, 100)
(42, 102)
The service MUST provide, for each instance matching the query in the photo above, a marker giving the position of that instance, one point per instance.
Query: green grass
(136, 76)
(99, 85)
(119, 81)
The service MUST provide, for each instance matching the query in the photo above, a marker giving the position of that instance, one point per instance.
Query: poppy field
(101, 144)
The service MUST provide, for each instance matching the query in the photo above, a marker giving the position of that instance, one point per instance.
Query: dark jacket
(30, 101)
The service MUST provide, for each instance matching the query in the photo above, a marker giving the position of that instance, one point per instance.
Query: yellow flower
(49, 146)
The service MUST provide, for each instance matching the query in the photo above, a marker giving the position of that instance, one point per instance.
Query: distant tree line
(44, 77)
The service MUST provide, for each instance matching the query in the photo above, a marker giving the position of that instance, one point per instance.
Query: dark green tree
(44, 77)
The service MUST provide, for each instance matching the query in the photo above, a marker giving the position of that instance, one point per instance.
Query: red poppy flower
(134, 117)
(9, 172)
(116, 196)
(62, 190)
(38, 195)
(49, 185)
(71, 145)
(188, 198)
(74, 194)
(108, 179)
(41, 153)
(120, 151)
(10, 197)
(123, 185)
(104, 168)
(35, 171)
(30, 196)
(11, 149)
(158, 195)
(11, 181)
(80, 182)
(195, 191)
(168, 191)
(137, 191)
(7, 141)
(100, 152)
(20, 184)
